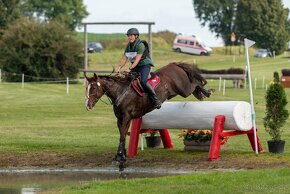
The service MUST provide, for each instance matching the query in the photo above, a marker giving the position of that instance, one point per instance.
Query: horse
(175, 79)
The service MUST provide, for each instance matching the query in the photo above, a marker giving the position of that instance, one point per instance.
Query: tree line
(37, 38)
(264, 21)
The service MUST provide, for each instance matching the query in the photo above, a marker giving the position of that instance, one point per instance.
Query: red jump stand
(218, 137)
(134, 137)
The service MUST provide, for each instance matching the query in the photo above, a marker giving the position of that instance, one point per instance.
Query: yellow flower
(196, 135)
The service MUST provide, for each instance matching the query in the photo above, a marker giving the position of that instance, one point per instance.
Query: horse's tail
(192, 73)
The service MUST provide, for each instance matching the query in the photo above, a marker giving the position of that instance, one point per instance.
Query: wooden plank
(95, 71)
(225, 76)
(118, 23)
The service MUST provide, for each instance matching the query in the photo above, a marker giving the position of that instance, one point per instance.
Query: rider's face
(132, 37)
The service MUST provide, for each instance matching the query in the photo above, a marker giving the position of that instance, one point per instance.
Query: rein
(108, 100)
(118, 99)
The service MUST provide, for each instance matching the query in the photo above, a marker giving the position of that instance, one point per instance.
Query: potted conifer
(276, 114)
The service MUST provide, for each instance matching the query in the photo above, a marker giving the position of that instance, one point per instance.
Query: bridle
(88, 87)
(117, 101)
(88, 96)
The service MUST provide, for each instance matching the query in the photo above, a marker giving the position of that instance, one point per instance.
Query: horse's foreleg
(123, 125)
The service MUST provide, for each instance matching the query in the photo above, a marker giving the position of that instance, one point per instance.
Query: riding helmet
(133, 31)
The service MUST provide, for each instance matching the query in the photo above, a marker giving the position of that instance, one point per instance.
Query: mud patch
(33, 180)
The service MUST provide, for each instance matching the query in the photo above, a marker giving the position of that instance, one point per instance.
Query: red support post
(166, 139)
(251, 137)
(250, 134)
(134, 137)
(216, 140)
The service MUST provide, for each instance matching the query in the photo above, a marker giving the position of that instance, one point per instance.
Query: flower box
(196, 140)
(196, 146)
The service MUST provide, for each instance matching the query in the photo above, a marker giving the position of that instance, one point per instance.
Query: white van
(190, 44)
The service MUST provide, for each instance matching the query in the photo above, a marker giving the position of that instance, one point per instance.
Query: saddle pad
(154, 81)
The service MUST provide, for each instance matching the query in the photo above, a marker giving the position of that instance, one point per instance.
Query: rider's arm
(138, 58)
(121, 63)
(140, 52)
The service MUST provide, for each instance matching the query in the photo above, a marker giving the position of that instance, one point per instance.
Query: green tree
(69, 12)
(266, 22)
(219, 15)
(9, 11)
(40, 50)
(276, 112)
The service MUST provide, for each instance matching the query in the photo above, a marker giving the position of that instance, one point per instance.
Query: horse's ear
(95, 75)
(85, 75)
(113, 70)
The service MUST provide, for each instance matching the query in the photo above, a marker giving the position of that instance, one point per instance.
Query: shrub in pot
(276, 114)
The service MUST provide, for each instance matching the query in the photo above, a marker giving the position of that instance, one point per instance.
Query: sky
(174, 15)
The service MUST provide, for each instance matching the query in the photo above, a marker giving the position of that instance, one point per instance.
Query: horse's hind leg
(200, 92)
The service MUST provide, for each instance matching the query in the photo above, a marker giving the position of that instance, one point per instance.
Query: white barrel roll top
(199, 115)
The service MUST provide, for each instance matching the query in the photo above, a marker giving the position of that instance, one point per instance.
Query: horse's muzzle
(88, 105)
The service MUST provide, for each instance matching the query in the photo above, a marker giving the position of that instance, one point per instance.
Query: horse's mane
(116, 78)
(192, 72)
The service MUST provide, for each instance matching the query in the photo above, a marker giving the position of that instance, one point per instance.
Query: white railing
(43, 80)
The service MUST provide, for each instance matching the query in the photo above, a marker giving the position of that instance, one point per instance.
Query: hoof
(116, 163)
(211, 91)
(120, 162)
(122, 166)
(118, 159)
(157, 106)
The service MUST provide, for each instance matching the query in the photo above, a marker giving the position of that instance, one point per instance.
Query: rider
(137, 51)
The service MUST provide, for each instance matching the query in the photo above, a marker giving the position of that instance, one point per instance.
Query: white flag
(249, 43)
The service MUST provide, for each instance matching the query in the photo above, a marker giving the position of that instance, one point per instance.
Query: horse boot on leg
(153, 97)
(121, 154)
(207, 92)
(200, 92)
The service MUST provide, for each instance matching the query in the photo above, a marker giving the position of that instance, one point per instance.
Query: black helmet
(133, 31)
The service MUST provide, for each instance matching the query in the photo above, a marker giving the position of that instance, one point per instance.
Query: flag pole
(248, 43)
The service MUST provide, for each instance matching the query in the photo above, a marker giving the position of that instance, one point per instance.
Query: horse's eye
(94, 86)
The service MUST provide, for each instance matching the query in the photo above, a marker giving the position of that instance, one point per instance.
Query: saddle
(154, 80)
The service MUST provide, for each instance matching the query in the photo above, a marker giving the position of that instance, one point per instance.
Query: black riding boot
(152, 95)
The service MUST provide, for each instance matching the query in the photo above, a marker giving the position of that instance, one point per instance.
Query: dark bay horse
(176, 79)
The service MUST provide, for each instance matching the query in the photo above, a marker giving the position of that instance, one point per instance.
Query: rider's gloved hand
(118, 69)
(127, 70)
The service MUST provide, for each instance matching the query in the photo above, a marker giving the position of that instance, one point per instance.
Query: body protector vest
(131, 52)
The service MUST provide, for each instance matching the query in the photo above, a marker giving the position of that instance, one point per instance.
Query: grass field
(41, 125)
